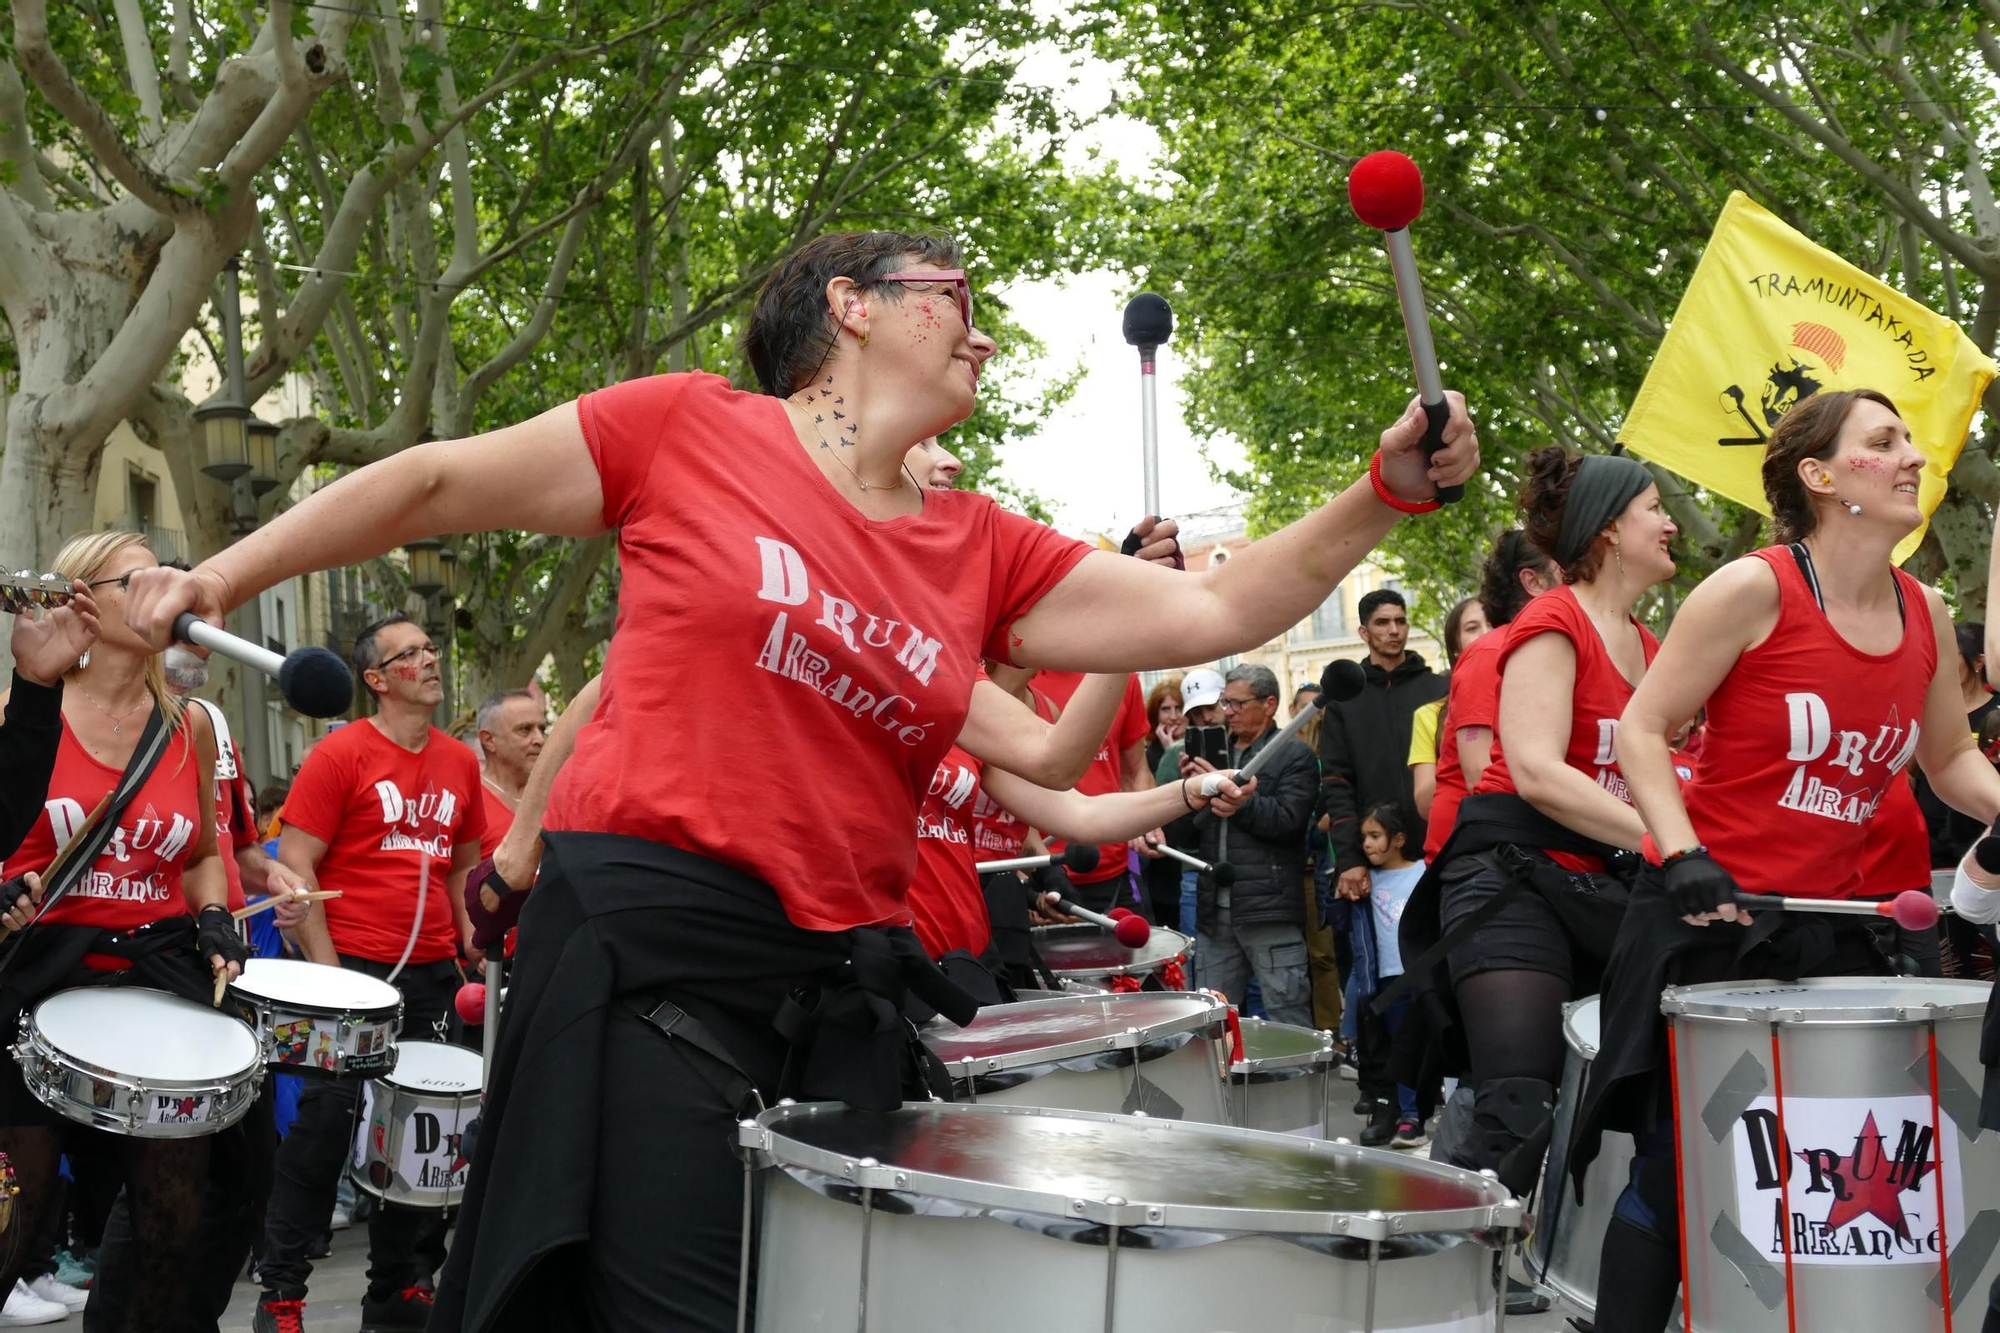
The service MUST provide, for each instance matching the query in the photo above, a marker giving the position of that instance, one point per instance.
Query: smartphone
(1210, 743)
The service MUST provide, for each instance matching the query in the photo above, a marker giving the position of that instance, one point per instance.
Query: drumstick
(221, 985)
(1911, 909)
(316, 896)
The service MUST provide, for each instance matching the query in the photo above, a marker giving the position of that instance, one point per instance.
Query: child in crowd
(1393, 875)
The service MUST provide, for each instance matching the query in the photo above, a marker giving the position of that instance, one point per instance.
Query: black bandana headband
(1604, 485)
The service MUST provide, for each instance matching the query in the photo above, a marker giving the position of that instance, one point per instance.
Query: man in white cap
(1201, 705)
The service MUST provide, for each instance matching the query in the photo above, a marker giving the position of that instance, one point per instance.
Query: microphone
(1387, 192)
(1149, 321)
(313, 680)
(1342, 680)
(1084, 858)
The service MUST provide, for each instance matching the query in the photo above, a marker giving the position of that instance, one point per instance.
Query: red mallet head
(1133, 932)
(1119, 913)
(471, 1003)
(1386, 189)
(1912, 909)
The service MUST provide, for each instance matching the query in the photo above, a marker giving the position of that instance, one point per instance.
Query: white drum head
(435, 1067)
(290, 981)
(146, 1034)
(1580, 1026)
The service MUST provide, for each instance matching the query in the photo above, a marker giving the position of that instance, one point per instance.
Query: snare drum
(1284, 1082)
(413, 1121)
(1568, 1240)
(138, 1062)
(1159, 1054)
(327, 1022)
(1091, 954)
(1823, 1127)
(993, 1219)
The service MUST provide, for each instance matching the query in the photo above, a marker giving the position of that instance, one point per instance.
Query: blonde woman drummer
(153, 905)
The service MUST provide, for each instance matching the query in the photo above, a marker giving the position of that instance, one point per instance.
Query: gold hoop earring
(864, 337)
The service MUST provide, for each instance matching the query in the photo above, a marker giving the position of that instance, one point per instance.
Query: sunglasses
(943, 277)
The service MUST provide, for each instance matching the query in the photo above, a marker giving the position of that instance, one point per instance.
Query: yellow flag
(1771, 318)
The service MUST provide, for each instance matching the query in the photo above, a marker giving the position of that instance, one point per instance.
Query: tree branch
(108, 147)
(141, 69)
(531, 333)
(16, 146)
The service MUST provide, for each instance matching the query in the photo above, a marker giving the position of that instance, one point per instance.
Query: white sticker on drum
(1861, 1175)
(431, 1155)
(166, 1108)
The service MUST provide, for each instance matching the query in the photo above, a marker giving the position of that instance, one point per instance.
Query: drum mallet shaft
(1073, 858)
(1911, 909)
(489, 1039)
(316, 896)
(1130, 931)
(1225, 874)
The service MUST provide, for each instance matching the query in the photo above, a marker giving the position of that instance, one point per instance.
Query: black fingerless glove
(215, 933)
(14, 893)
(1133, 541)
(1056, 880)
(1697, 885)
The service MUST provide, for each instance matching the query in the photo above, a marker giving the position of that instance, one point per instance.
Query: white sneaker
(24, 1308)
(72, 1299)
(341, 1219)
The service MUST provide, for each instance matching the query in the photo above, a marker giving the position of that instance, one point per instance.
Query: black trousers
(232, 1218)
(405, 1245)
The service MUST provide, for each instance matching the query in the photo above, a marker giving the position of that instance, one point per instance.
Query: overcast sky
(1086, 460)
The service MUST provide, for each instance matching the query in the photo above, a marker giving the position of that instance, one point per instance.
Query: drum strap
(708, 1055)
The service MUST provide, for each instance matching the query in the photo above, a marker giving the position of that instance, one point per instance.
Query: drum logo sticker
(432, 1156)
(169, 1109)
(1862, 1176)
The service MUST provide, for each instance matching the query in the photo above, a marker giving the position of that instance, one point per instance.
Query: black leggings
(164, 1177)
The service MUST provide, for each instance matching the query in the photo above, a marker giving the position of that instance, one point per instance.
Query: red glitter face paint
(405, 671)
(1866, 463)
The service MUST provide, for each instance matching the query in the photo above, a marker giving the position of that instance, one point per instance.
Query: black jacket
(1267, 840)
(27, 757)
(1364, 753)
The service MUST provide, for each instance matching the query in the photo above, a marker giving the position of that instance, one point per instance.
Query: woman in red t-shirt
(776, 562)
(1824, 671)
(1521, 887)
(154, 904)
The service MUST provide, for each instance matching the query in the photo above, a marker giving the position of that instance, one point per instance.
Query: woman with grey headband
(1524, 893)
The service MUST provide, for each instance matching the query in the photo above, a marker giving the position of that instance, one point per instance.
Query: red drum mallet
(1912, 909)
(1130, 931)
(1387, 192)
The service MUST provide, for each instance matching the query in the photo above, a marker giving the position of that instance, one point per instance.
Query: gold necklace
(827, 445)
(117, 719)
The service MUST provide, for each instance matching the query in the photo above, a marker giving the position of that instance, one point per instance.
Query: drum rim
(764, 1135)
(1692, 1002)
(1323, 1055)
(1117, 970)
(31, 1027)
(239, 989)
(403, 1048)
(1587, 1049)
(1214, 1017)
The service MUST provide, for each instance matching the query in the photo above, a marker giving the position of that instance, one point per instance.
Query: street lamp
(263, 456)
(426, 566)
(225, 435)
(449, 557)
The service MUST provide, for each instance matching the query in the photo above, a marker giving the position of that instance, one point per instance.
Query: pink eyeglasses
(954, 277)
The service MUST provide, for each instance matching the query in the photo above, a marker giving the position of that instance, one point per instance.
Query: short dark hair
(1378, 599)
(1811, 429)
(490, 706)
(1971, 641)
(1500, 591)
(272, 797)
(367, 652)
(791, 332)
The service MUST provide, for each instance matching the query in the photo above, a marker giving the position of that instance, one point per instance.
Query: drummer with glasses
(150, 909)
(1825, 671)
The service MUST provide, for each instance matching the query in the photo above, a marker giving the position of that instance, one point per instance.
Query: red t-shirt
(1803, 736)
(1107, 772)
(1596, 704)
(1897, 853)
(234, 806)
(1474, 702)
(998, 834)
(137, 877)
(389, 818)
(835, 653)
(947, 905)
(498, 819)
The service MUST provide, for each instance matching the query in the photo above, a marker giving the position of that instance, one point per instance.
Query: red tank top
(137, 877)
(1804, 735)
(1897, 855)
(1596, 703)
(947, 906)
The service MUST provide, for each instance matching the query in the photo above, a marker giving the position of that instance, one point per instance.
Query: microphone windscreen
(1386, 190)
(1225, 875)
(1149, 320)
(471, 1003)
(1133, 932)
(1084, 858)
(316, 682)
(1987, 852)
(1342, 680)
